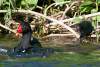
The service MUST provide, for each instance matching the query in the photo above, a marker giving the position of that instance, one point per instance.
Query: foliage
(1, 2)
(29, 4)
(57, 1)
(7, 5)
(16, 4)
(88, 5)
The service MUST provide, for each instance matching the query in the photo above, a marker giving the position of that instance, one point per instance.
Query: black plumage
(85, 28)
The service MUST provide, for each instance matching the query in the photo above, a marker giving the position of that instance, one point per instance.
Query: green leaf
(97, 1)
(87, 3)
(32, 1)
(57, 1)
(23, 2)
(95, 20)
(29, 3)
(86, 9)
(2, 1)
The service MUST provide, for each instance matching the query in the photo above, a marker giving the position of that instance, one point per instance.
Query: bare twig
(45, 12)
(67, 9)
(5, 27)
(39, 7)
(81, 17)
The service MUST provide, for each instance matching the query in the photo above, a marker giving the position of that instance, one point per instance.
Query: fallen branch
(38, 14)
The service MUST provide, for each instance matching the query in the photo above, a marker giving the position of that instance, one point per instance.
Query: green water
(82, 55)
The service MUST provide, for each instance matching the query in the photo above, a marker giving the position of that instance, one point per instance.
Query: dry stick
(45, 12)
(52, 35)
(5, 27)
(81, 17)
(38, 14)
(67, 9)
(39, 7)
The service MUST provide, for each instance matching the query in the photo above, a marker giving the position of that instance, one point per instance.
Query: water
(85, 55)
(46, 64)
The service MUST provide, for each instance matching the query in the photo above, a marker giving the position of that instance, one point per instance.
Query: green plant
(28, 4)
(88, 5)
(15, 4)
